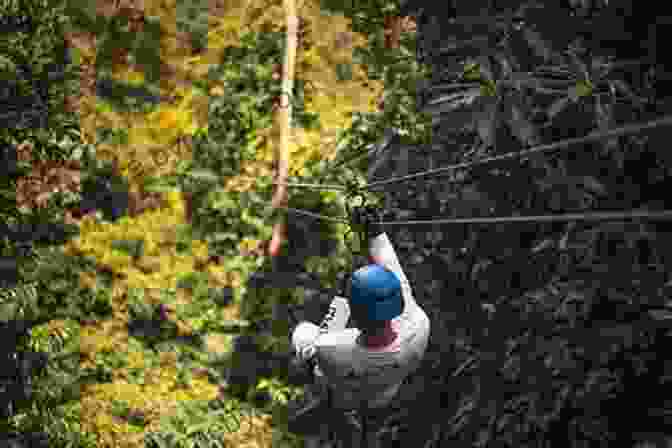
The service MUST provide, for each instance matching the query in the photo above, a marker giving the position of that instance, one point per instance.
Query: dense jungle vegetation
(139, 146)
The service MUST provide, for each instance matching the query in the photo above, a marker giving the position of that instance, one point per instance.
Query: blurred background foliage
(134, 214)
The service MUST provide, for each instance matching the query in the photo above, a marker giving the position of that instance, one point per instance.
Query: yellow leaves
(217, 91)
(168, 359)
(248, 244)
(226, 32)
(130, 76)
(157, 131)
(219, 274)
(170, 122)
(174, 199)
(93, 340)
(163, 124)
(310, 57)
(87, 280)
(198, 65)
(136, 359)
(151, 246)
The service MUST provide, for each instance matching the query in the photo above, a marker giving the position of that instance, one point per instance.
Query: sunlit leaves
(580, 90)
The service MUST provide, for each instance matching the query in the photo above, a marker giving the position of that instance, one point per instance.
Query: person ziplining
(363, 367)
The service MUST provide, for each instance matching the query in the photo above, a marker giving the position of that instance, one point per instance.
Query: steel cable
(314, 186)
(564, 144)
(595, 216)
(619, 132)
(313, 215)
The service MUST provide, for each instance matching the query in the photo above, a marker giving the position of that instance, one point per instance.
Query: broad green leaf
(7, 64)
(8, 311)
(198, 428)
(130, 247)
(344, 72)
(472, 72)
(223, 236)
(581, 89)
(204, 175)
(85, 10)
(159, 187)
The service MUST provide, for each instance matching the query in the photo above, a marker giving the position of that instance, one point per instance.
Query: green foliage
(48, 287)
(402, 75)
(367, 16)
(280, 392)
(193, 18)
(55, 277)
(200, 424)
(112, 32)
(61, 423)
(42, 339)
(138, 308)
(134, 248)
(122, 410)
(48, 77)
(553, 327)
(114, 95)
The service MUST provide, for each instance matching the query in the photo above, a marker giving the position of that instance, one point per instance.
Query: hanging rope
(630, 129)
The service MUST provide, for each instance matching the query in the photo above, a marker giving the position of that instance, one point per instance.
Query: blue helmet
(376, 294)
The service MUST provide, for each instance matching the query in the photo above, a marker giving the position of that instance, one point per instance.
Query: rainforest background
(138, 155)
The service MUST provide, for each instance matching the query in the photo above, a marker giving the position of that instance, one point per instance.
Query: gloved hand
(303, 339)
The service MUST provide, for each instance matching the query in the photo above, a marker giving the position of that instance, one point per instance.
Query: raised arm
(382, 252)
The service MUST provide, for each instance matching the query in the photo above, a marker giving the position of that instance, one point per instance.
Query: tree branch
(284, 122)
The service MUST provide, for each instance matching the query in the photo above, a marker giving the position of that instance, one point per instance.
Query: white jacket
(361, 376)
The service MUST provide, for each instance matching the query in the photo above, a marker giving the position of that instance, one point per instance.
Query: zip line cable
(619, 132)
(564, 144)
(313, 215)
(595, 216)
(598, 216)
(315, 186)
